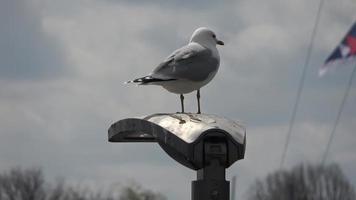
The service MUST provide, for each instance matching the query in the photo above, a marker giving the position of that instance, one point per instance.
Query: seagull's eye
(214, 36)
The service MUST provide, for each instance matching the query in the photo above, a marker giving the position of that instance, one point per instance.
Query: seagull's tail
(147, 80)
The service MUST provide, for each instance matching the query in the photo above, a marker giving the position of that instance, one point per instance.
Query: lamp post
(206, 143)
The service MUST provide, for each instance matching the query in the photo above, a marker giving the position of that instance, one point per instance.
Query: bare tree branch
(304, 182)
(19, 184)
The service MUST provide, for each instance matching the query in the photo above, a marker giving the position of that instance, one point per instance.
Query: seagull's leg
(198, 98)
(181, 102)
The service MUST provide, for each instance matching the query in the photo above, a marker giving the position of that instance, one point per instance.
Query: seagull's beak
(219, 42)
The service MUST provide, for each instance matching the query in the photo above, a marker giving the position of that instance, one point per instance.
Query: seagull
(188, 68)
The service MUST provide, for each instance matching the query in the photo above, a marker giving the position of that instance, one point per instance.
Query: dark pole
(211, 183)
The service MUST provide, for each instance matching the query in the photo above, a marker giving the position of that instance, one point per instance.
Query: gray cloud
(26, 51)
(200, 5)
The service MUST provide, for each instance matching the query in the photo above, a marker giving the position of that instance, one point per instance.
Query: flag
(344, 51)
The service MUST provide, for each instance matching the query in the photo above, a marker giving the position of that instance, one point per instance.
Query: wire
(301, 84)
(341, 108)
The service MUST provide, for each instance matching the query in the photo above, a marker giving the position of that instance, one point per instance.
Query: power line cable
(301, 83)
(341, 108)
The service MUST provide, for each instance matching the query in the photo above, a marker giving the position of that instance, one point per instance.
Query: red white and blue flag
(344, 51)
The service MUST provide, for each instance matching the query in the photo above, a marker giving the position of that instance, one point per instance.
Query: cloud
(174, 4)
(26, 51)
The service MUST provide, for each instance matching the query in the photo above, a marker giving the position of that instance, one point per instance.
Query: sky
(63, 65)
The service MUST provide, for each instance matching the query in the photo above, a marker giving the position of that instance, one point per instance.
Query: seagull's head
(205, 37)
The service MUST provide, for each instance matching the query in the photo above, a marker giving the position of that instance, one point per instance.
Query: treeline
(302, 182)
(30, 184)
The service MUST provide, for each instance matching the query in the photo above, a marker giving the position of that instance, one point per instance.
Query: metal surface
(188, 127)
(182, 135)
(211, 183)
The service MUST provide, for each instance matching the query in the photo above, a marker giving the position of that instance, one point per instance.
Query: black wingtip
(148, 79)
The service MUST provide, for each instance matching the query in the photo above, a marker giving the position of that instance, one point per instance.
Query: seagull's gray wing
(192, 62)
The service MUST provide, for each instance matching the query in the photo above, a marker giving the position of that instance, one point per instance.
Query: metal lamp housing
(182, 136)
